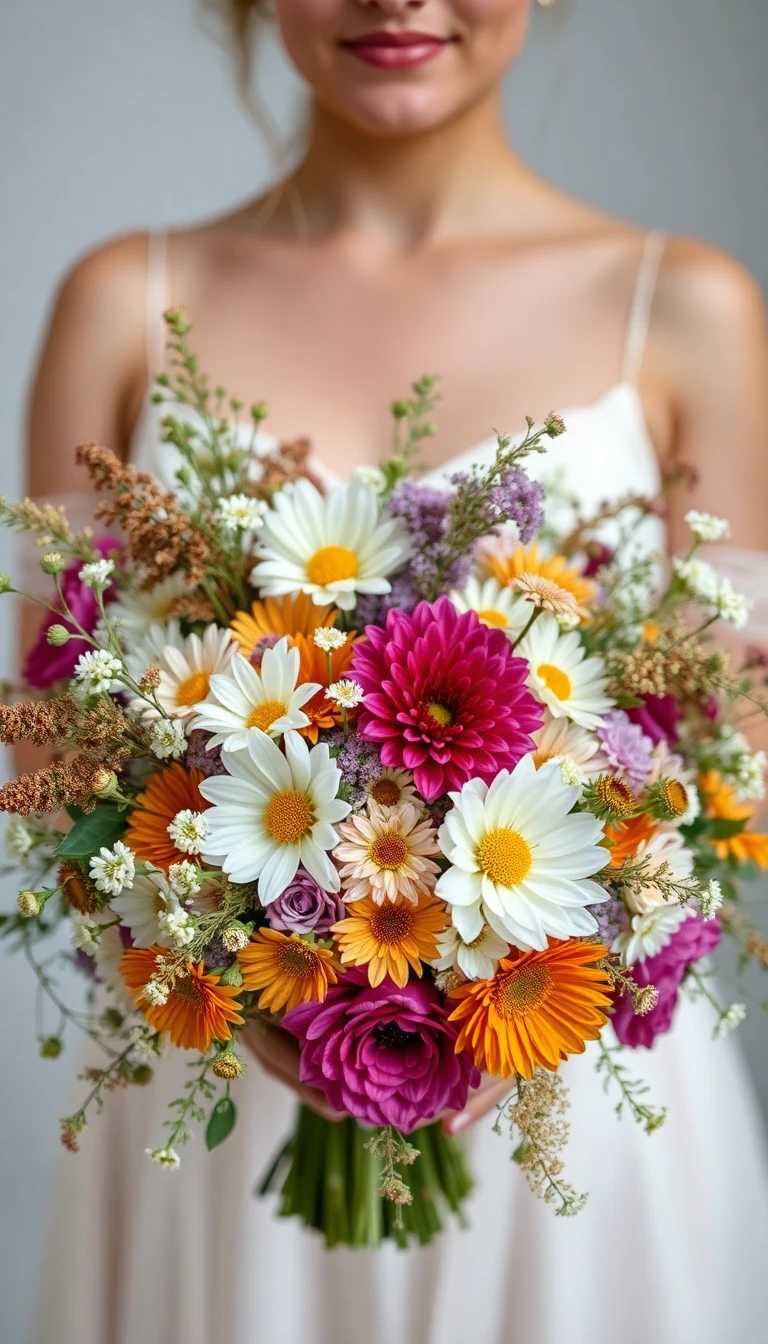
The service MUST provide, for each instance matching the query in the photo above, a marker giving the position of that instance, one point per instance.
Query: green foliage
(221, 1122)
(103, 826)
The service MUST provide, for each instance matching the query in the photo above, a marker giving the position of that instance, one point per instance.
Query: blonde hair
(238, 22)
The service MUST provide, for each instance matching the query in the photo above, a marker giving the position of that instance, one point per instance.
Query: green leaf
(722, 828)
(629, 701)
(231, 976)
(221, 1123)
(103, 826)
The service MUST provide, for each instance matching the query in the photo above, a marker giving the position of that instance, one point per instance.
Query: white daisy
(665, 849)
(331, 547)
(649, 933)
(149, 650)
(497, 606)
(166, 738)
(241, 698)
(189, 831)
(561, 740)
(274, 811)
(140, 907)
(478, 960)
(390, 787)
(107, 957)
(137, 611)
(186, 669)
(561, 677)
(520, 858)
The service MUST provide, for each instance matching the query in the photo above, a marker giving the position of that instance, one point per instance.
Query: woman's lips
(395, 51)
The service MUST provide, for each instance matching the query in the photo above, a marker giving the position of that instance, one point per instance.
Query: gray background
(123, 115)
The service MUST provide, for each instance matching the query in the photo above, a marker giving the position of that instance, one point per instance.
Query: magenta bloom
(445, 696)
(658, 717)
(695, 938)
(304, 907)
(46, 664)
(385, 1055)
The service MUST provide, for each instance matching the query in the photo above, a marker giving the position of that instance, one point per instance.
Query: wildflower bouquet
(374, 767)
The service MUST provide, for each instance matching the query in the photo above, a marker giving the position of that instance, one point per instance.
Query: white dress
(670, 1248)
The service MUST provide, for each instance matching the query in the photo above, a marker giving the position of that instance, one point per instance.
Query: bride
(411, 239)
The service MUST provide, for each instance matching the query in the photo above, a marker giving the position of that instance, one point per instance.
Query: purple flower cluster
(426, 515)
(521, 501)
(372, 608)
(260, 648)
(695, 938)
(625, 747)
(612, 918)
(385, 1055)
(201, 756)
(359, 762)
(304, 907)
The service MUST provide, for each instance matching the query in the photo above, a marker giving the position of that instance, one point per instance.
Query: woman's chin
(394, 112)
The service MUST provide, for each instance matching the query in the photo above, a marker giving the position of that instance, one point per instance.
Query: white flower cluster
(707, 527)
(96, 574)
(240, 513)
(166, 738)
(710, 899)
(177, 926)
(346, 694)
(112, 870)
(164, 1157)
(85, 934)
(184, 880)
(96, 670)
(729, 1020)
(329, 638)
(704, 585)
(189, 831)
(18, 841)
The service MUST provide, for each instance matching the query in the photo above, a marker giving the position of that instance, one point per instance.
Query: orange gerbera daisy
(171, 790)
(539, 1008)
(290, 615)
(392, 937)
(627, 836)
(721, 804)
(198, 1009)
(287, 969)
(313, 666)
(507, 566)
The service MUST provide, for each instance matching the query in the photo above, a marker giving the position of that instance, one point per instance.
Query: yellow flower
(506, 567)
(720, 803)
(390, 938)
(287, 969)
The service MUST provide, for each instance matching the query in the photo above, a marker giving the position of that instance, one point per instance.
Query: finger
(278, 1055)
(483, 1101)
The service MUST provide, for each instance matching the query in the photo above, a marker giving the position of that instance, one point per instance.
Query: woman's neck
(455, 180)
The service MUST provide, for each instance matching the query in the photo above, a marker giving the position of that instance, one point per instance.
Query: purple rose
(385, 1055)
(695, 938)
(45, 663)
(658, 717)
(304, 907)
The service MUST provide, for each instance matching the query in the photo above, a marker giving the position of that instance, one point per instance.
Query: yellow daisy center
(331, 564)
(493, 617)
(193, 689)
(386, 792)
(288, 817)
(389, 851)
(390, 924)
(265, 714)
(521, 992)
(615, 795)
(297, 959)
(555, 680)
(504, 856)
(440, 713)
(675, 796)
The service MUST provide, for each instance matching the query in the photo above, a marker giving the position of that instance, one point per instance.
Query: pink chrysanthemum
(445, 696)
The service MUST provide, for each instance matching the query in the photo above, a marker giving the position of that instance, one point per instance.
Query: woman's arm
(87, 386)
(709, 348)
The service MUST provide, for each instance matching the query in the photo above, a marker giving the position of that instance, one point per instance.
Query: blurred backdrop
(123, 114)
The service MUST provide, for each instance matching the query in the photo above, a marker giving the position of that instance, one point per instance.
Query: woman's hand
(278, 1054)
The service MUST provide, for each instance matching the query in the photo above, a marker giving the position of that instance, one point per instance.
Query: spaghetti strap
(157, 301)
(642, 303)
